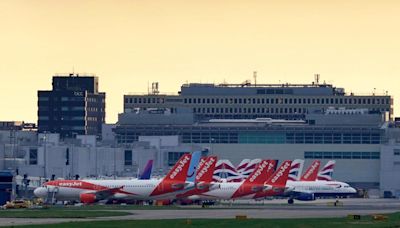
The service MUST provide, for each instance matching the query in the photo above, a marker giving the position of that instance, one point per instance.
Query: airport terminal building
(231, 121)
(314, 121)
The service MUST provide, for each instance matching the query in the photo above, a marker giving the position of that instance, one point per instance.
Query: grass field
(50, 213)
(366, 221)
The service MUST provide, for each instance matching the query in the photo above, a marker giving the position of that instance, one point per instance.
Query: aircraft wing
(106, 193)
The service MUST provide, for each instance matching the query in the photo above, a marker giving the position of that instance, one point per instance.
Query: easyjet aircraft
(232, 190)
(90, 191)
(276, 182)
(312, 172)
(204, 176)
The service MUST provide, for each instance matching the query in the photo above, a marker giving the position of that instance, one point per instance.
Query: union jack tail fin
(312, 172)
(296, 169)
(250, 167)
(327, 171)
(280, 176)
(242, 165)
(225, 171)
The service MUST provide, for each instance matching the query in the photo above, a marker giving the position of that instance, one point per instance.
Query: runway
(269, 210)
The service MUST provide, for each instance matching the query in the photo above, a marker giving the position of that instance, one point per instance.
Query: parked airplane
(242, 165)
(204, 176)
(312, 172)
(146, 174)
(250, 167)
(310, 190)
(90, 191)
(327, 171)
(253, 184)
(226, 172)
(296, 169)
(276, 183)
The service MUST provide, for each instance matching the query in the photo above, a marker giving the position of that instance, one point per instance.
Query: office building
(73, 107)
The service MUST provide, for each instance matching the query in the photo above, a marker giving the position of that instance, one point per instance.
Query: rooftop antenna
(316, 77)
(255, 77)
(154, 88)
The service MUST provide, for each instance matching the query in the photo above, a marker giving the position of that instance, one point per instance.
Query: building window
(341, 155)
(173, 157)
(128, 157)
(67, 157)
(33, 157)
(396, 152)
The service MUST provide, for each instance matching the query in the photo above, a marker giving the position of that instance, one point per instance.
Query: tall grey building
(73, 107)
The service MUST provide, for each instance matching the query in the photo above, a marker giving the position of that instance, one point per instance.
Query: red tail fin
(312, 172)
(263, 169)
(206, 170)
(201, 163)
(179, 171)
(280, 176)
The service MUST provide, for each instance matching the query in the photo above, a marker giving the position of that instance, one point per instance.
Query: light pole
(45, 155)
(115, 162)
(211, 145)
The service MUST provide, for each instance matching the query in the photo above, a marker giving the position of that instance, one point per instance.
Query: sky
(129, 44)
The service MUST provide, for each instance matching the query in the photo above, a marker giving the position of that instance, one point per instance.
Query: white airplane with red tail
(90, 191)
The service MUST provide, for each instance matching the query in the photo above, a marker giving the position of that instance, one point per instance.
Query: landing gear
(290, 201)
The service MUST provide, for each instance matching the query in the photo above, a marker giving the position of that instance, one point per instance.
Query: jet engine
(87, 198)
(305, 197)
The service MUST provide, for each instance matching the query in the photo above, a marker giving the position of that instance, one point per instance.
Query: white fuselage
(127, 189)
(224, 192)
(320, 187)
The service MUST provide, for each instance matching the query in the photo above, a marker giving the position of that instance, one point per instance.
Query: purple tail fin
(145, 175)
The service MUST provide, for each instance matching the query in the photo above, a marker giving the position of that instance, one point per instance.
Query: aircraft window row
(232, 100)
(131, 186)
(341, 155)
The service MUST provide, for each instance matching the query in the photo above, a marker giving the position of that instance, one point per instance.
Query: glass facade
(340, 155)
(282, 138)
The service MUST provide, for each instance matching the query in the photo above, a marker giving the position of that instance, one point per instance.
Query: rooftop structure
(251, 101)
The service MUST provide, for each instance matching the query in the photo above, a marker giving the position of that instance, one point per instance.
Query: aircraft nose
(40, 192)
(353, 190)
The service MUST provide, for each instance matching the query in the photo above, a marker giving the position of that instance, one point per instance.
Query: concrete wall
(390, 168)
(348, 170)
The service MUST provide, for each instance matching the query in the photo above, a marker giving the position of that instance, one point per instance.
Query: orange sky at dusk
(128, 44)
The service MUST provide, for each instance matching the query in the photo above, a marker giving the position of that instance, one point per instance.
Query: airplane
(204, 178)
(327, 171)
(242, 165)
(252, 185)
(312, 172)
(250, 167)
(310, 190)
(296, 169)
(232, 190)
(90, 191)
(276, 182)
(146, 174)
(226, 172)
